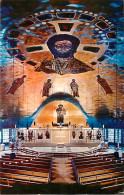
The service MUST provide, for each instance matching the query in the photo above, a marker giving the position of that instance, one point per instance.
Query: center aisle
(62, 171)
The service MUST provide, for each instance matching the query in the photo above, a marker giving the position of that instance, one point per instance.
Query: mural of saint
(81, 135)
(30, 135)
(60, 113)
(47, 135)
(40, 136)
(16, 84)
(63, 47)
(73, 134)
(98, 135)
(104, 85)
(46, 87)
(90, 135)
(74, 86)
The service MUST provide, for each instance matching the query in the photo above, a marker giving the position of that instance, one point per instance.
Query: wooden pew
(112, 181)
(99, 172)
(105, 182)
(113, 187)
(24, 177)
(27, 160)
(95, 161)
(34, 158)
(42, 160)
(25, 168)
(28, 157)
(108, 166)
(78, 161)
(93, 156)
(28, 169)
(93, 164)
(101, 177)
(6, 186)
(9, 181)
(89, 162)
(27, 164)
(85, 159)
(25, 172)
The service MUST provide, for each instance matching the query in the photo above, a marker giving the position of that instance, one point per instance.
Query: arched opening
(57, 98)
(48, 114)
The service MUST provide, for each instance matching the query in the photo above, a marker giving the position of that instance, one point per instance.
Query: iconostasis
(55, 55)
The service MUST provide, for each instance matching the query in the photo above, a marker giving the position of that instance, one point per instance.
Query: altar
(60, 135)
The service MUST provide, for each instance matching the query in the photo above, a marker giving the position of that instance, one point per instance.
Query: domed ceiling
(61, 41)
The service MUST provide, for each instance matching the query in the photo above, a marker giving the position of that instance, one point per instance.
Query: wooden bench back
(98, 172)
(27, 164)
(24, 177)
(93, 164)
(100, 177)
(25, 172)
(44, 170)
(112, 165)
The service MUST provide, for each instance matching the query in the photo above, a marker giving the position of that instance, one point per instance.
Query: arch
(60, 96)
(92, 121)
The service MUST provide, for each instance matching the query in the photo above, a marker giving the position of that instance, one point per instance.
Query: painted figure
(20, 135)
(60, 113)
(40, 136)
(74, 86)
(46, 87)
(98, 135)
(90, 134)
(104, 85)
(16, 84)
(73, 134)
(30, 135)
(47, 135)
(63, 47)
(81, 135)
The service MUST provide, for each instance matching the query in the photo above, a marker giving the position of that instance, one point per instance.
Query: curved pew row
(24, 177)
(33, 161)
(102, 169)
(26, 164)
(24, 172)
(9, 181)
(26, 169)
(98, 177)
(27, 156)
(91, 157)
(95, 168)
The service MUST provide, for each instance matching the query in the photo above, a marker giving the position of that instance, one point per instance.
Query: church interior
(62, 97)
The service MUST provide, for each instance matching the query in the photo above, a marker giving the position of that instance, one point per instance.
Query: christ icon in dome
(63, 47)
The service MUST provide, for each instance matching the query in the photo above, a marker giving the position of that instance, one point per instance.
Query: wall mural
(64, 59)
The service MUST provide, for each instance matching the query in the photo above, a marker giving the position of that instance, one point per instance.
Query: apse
(48, 114)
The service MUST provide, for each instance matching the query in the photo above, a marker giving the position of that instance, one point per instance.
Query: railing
(59, 154)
